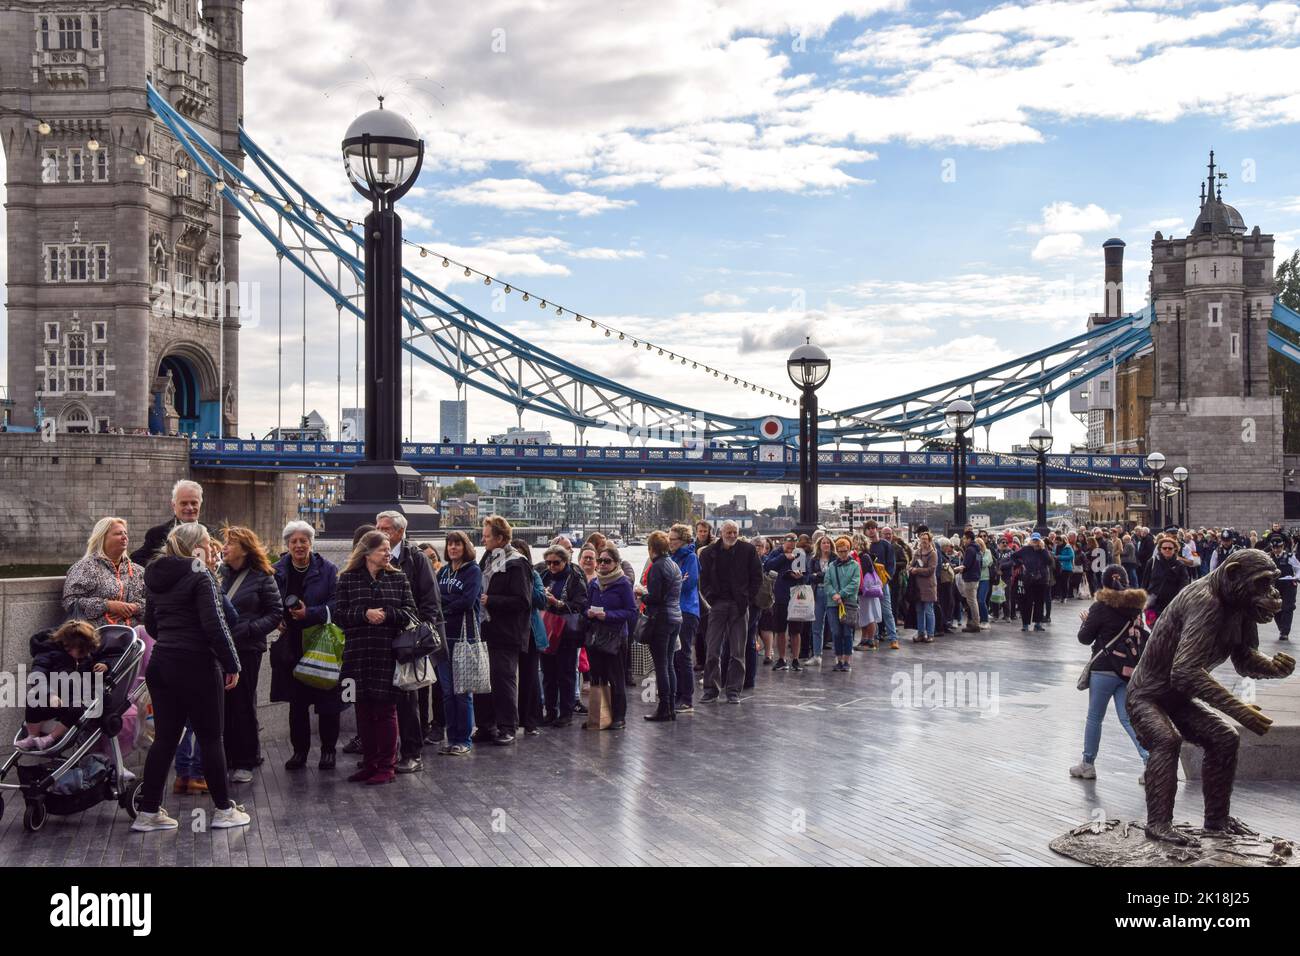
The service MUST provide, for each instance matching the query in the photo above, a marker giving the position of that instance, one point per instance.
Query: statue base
(1115, 843)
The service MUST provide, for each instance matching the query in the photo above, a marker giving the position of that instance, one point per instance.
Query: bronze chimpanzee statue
(1173, 694)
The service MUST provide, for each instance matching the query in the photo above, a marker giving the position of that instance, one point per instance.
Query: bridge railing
(251, 450)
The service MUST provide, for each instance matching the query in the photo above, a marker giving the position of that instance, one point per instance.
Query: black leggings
(185, 688)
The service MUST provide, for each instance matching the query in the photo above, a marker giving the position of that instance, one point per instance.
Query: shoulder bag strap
(1096, 657)
(238, 582)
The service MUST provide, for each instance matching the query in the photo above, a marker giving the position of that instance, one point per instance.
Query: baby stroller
(70, 777)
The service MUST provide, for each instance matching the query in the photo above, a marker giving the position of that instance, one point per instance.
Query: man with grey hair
(730, 576)
(413, 724)
(187, 502)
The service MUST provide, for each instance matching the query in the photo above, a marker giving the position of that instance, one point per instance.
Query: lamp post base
(376, 486)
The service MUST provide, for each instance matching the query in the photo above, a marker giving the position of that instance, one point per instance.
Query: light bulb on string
(43, 128)
(288, 206)
(320, 219)
(560, 311)
(607, 333)
(93, 145)
(424, 253)
(467, 272)
(507, 290)
(445, 263)
(139, 159)
(183, 173)
(620, 336)
(487, 280)
(541, 304)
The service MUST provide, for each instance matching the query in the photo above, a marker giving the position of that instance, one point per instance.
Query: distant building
(353, 425)
(522, 436)
(453, 421)
(311, 427)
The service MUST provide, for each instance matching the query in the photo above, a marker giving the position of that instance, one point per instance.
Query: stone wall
(51, 494)
(1232, 448)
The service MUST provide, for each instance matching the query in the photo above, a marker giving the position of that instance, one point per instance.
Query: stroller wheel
(130, 800)
(34, 818)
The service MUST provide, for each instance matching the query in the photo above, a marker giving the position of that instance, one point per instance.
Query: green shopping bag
(322, 655)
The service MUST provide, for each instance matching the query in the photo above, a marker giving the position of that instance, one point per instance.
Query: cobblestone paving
(812, 768)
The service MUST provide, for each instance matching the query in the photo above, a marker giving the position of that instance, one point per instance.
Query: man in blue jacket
(683, 554)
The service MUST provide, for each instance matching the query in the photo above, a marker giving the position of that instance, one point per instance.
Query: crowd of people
(211, 604)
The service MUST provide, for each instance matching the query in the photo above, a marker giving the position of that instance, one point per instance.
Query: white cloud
(722, 298)
(1067, 217)
(526, 194)
(1173, 223)
(1058, 246)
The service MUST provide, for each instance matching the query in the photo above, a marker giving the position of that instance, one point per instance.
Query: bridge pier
(263, 501)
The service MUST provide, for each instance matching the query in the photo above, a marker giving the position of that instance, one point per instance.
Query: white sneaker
(232, 816)
(815, 661)
(1085, 770)
(242, 776)
(147, 822)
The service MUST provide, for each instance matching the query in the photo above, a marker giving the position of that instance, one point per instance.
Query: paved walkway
(812, 768)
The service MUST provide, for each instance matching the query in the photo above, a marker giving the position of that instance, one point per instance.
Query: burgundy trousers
(377, 727)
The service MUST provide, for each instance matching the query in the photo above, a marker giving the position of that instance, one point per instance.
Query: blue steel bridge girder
(680, 464)
(474, 351)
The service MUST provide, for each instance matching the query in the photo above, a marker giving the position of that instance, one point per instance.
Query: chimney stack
(1113, 250)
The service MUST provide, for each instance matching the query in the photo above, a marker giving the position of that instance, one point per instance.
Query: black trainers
(353, 746)
(410, 765)
(733, 698)
(780, 664)
(710, 697)
(795, 665)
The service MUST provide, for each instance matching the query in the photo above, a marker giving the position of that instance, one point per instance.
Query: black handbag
(419, 639)
(604, 638)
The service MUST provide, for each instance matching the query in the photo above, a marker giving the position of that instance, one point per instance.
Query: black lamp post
(382, 154)
(1180, 476)
(38, 410)
(1156, 463)
(848, 509)
(1040, 440)
(808, 367)
(1168, 490)
(959, 416)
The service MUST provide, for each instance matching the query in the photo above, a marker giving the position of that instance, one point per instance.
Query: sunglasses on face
(553, 563)
(605, 561)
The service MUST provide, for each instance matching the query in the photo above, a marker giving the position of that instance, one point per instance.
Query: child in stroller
(73, 649)
(64, 775)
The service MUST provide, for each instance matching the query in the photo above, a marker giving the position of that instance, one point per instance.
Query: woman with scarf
(507, 626)
(566, 599)
(662, 601)
(611, 605)
(925, 566)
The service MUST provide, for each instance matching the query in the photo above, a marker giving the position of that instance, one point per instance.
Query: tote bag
(471, 673)
(803, 603)
(322, 655)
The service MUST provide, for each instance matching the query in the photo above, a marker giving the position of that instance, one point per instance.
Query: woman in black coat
(661, 598)
(312, 582)
(566, 600)
(374, 604)
(1168, 575)
(1116, 633)
(192, 667)
(507, 629)
(248, 580)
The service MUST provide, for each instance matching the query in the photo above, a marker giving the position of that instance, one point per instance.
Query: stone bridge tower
(117, 247)
(1213, 411)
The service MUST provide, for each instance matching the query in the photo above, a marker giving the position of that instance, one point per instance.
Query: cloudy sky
(921, 188)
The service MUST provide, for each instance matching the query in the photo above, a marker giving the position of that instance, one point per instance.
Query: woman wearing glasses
(566, 600)
(1168, 577)
(612, 605)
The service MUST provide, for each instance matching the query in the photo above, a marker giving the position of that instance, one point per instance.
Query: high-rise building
(453, 421)
(353, 425)
(122, 255)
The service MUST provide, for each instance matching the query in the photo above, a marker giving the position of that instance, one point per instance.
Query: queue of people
(515, 639)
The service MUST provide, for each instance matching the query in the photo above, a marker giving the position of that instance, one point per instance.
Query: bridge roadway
(767, 462)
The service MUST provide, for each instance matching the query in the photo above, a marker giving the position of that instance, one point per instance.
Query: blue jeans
(887, 616)
(682, 665)
(1102, 686)
(842, 632)
(982, 596)
(457, 709)
(925, 618)
(189, 759)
